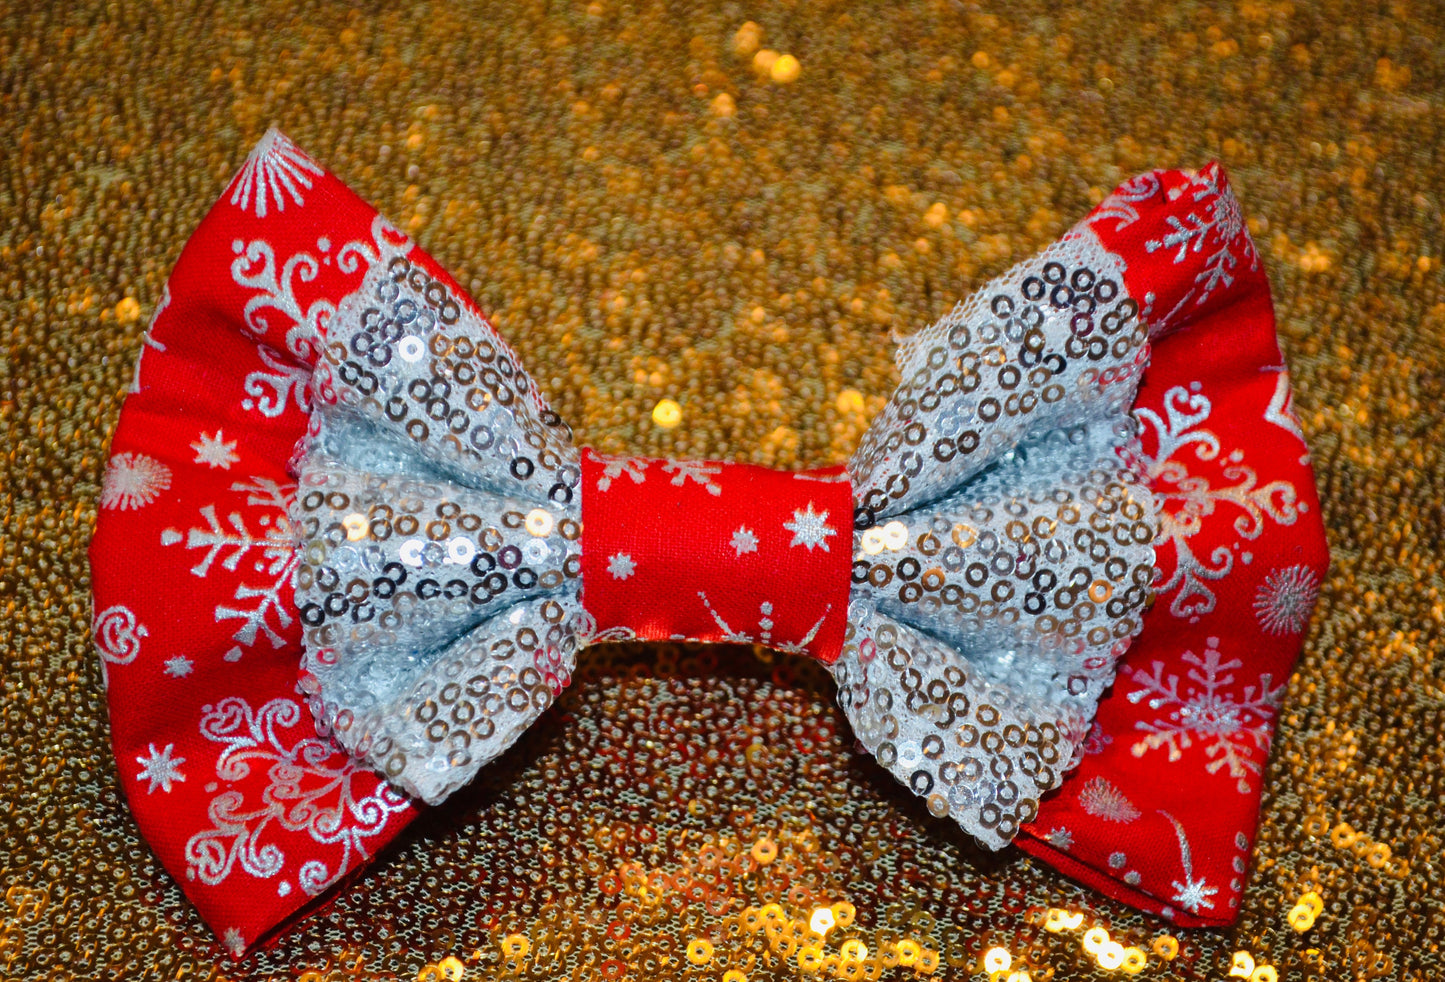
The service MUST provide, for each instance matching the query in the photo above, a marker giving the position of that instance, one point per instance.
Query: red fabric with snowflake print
(707, 551)
(1162, 812)
(249, 809)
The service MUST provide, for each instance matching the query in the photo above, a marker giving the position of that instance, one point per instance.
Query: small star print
(178, 667)
(160, 768)
(621, 566)
(213, 451)
(810, 528)
(744, 540)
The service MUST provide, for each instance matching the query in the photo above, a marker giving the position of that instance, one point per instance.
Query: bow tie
(417, 534)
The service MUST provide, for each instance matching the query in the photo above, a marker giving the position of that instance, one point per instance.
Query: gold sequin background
(653, 211)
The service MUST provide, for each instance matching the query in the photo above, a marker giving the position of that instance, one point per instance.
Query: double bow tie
(417, 534)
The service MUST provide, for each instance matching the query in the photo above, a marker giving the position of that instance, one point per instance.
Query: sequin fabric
(601, 177)
(438, 520)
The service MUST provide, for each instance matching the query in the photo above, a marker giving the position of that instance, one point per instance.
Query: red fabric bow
(200, 639)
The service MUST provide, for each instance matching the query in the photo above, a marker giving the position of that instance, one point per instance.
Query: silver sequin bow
(1003, 548)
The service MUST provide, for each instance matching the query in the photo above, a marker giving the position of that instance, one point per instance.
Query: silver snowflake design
(744, 540)
(160, 768)
(1060, 838)
(1193, 894)
(215, 451)
(276, 170)
(615, 467)
(810, 528)
(1234, 726)
(621, 566)
(1102, 799)
(133, 480)
(267, 550)
(699, 471)
(764, 635)
(1216, 231)
(275, 781)
(1285, 599)
(234, 941)
(178, 667)
(1187, 500)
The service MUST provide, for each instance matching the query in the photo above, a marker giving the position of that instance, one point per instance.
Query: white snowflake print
(117, 636)
(178, 667)
(702, 472)
(1215, 231)
(1060, 838)
(160, 768)
(1103, 800)
(276, 170)
(810, 528)
(215, 451)
(1233, 725)
(1285, 599)
(1184, 500)
(269, 552)
(744, 540)
(764, 635)
(234, 941)
(621, 566)
(615, 467)
(308, 788)
(1191, 893)
(133, 480)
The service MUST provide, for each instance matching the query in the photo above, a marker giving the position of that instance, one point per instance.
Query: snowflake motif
(702, 472)
(214, 451)
(1060, 838)
(765, 629)
(234, 941)
(744, 540)
(276, 170)
(1216, 232)
(270, 551)
(810, 528)
(178, 667)
(1235, 728)
(133, 480)
(621, 566)
(1103, 800)
(160, 768)
(1285, 599)
(1184, 501)
(117, 636)
(306, 787)
(615, 467)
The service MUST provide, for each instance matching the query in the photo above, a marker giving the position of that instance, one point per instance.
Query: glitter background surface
(638, 236)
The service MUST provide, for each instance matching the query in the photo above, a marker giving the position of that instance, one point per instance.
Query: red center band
(695, 550)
